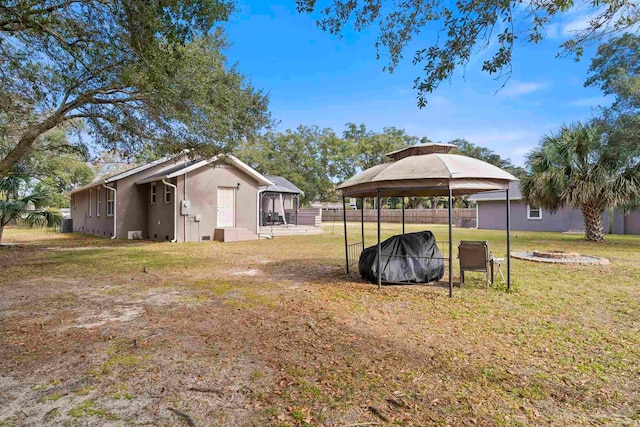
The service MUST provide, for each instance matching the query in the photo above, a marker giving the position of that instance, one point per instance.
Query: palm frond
(42, 218)
(579, 165)
(38, 199)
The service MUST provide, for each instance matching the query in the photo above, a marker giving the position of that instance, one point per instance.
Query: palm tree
(26, 209)
(581, 167)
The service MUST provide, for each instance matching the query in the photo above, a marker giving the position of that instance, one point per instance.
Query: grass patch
(235, 296)
(88, 408)
(256, 375)
(120, 358)
(122, 391)
(50, 398)
(119, 361)
(305, 344)
(44, 386)
(85, 391)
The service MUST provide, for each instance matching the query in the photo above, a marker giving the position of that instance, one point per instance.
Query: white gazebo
(422, 171)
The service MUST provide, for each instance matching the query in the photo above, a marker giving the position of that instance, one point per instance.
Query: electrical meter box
(185, 207)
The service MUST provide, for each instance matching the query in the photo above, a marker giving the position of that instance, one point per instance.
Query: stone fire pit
(560, 257)
(556, 254)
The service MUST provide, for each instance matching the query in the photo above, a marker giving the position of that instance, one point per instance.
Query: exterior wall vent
(206, 238)
(134, 235)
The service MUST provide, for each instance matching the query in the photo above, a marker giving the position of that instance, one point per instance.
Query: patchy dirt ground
(101, 333)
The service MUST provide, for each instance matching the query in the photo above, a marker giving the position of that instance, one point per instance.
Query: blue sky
(315, 78)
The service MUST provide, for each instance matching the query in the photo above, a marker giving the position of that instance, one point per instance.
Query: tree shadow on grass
(329, 271)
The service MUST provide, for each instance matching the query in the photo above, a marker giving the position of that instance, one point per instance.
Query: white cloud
(495, 137)
(578, 24)
(578, 19)
(593, 101)
(553, 31)
(508, 142)
(437, 105)
(437, 101)
(515, 88)
(520, 152)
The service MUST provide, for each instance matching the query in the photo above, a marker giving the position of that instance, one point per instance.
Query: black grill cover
(412, 258)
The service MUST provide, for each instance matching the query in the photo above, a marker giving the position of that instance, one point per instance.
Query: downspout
(477, 215)
(184, 239)
(284, 213)
(115, 209)
(175, 210)
(259, 212)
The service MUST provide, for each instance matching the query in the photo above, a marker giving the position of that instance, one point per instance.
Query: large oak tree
(129, 74)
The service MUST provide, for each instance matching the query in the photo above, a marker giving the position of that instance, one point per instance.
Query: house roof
(427, 170)
(121, 175)
(171, 172)
(490, 196)
(281, 185)
(197, 164)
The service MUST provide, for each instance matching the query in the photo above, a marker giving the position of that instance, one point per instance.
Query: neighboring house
(491, 214)
(173, 199)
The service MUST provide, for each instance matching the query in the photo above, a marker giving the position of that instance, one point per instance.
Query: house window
(154, 193)
(90, 199)
(110, 202)
(534, 212)
(167, 194)
(98, 202)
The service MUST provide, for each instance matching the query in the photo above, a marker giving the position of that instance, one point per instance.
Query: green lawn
(101, 332)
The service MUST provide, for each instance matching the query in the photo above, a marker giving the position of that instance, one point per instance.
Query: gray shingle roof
(514, 194)
(281, 185)
(115, 177)
(163, 174)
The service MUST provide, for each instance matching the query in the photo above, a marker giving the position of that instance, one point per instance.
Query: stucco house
(173, 199)
(491, 214)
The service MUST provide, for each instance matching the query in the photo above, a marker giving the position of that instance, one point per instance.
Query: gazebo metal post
(297, 207)
(273, 205)
(450, 246)
(379, 245)
(508, 241)
(362, 220)
(403, 215)
(344, 221)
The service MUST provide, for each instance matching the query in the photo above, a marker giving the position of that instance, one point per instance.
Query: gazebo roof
(427, 170)
(281, 185)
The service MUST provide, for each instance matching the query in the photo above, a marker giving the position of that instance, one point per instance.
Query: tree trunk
(592, 216)
(416, 203)
(25, 144)
(1, 231)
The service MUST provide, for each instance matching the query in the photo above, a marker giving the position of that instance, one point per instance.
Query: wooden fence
(462, 217)
(307, 216)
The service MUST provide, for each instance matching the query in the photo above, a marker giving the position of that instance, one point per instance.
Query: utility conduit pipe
(175, 210)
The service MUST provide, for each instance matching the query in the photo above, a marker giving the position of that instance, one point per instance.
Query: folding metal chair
(475, 256)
